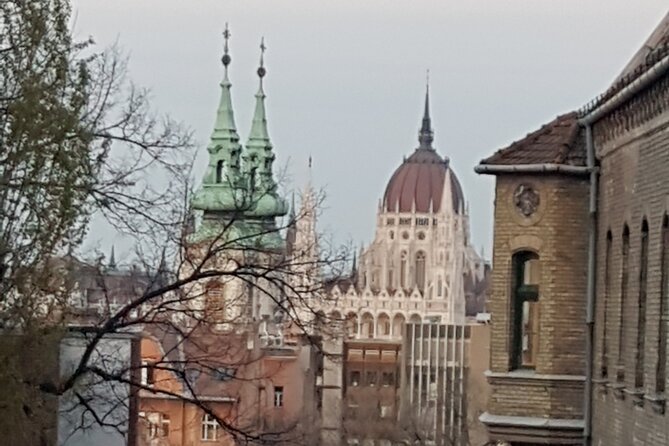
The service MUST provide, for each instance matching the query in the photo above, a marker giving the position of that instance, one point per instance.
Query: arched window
(219, 171)
(624, 279)
(439, 287)
(525, 334)
(607, 292)
(390, 283)
(641, 316)
(661, 373)
(403, 270)
(420, 270)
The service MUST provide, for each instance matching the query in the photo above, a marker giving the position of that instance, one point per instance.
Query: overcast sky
(346, 78)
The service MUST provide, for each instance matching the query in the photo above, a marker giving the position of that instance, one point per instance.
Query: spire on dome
(426, 136)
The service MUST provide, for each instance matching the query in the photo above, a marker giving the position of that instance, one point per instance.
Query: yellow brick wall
(558, 232)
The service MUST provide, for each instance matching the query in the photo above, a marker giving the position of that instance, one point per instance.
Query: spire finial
(226, 59)
(426, 136)
(261, 68)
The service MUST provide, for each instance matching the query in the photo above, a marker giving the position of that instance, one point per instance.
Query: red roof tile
(558, 142)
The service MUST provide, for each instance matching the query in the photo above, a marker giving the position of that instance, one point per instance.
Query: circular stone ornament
(526, 199)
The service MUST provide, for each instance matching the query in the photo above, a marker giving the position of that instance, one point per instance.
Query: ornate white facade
(421, 261)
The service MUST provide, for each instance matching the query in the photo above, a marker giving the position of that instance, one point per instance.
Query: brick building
(579, 302)
(629, 126)
(539, 281)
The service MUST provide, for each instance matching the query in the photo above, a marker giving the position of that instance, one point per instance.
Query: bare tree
(79, 140)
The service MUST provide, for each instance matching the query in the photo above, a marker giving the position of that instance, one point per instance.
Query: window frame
(525, 318)
(278, 397)
(209, 425)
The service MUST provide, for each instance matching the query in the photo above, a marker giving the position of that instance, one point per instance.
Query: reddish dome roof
(420, 179)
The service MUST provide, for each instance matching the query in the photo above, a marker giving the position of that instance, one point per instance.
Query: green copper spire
(222, 177)
(259, 157)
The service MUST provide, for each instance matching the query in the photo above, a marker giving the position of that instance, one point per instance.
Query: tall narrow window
(403, 270)
(641, 315)
(624, 278)
(209, 428)
(525, 320)
(420, 270)
(219, 171)
(661, 374)
(390, 283)
(278, 396)
(607, 290)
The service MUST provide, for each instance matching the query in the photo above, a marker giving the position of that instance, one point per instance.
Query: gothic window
(607, 290)
(390, 279)
(661, 374)
(405, 235)
(403, 269)
(421, 235)
(624, 277)
(219, 171)
(420, 270)
(439, 287)
(391, 235)
(641, 316)
(525, 320)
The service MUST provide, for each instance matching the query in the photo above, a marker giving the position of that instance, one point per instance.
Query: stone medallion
(526, 200)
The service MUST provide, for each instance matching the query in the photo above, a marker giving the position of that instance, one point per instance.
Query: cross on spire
(226, 59)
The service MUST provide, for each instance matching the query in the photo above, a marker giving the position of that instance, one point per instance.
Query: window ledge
(532, 375)
(658, 402)
(637, 396)
(618, 390)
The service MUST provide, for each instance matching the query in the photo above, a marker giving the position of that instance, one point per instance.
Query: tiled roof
(557, 142)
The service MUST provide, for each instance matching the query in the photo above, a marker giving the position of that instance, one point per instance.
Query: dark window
(641, 316)
(607, 290)
(387, 379)
(371, 379)
(624, 278)
(420, 270)
(278, 396)
(148, 373)
(525, 320)
(219, 171)
(661, 375)
(355, 378)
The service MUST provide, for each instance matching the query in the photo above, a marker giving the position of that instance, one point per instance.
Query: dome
(421, 179)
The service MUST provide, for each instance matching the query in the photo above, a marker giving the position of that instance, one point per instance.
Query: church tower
(238, 203)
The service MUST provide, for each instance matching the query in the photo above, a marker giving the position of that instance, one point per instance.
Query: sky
(346, 79)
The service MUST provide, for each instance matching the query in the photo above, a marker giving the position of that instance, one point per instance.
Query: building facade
(538, 301)
(631, 143)
(420, 269)
(587, 193)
